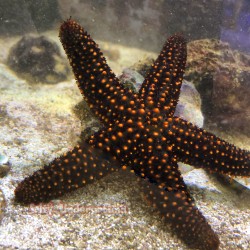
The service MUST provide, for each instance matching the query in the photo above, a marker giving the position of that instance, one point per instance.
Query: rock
(221, 75)
(198, 178)
(143, 66)
(189, 105)
(37, 59)
(3, 159)
(2, 205)
(4, 169)
(243, 181)
(131, 79)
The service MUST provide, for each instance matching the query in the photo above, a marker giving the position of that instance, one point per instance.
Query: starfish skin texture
(139, 132)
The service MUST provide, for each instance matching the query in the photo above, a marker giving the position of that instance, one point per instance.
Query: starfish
(140, 132)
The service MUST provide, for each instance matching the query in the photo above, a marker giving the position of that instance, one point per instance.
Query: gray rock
(38, 60)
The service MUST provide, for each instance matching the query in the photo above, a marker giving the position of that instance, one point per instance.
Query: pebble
(3, 159)
(4, 167)
(2, 205)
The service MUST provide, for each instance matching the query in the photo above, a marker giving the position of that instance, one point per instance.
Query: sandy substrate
(38, 124)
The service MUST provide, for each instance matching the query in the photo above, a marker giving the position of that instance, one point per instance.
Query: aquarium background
(134, 23)
(42, 115)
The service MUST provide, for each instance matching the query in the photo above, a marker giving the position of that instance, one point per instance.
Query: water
(42, 116)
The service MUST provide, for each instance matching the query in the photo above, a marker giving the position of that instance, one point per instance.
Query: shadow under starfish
(141, 132)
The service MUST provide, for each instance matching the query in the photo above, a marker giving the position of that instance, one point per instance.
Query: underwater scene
(125, 124)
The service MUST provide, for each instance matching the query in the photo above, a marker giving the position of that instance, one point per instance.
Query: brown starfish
(141, 132)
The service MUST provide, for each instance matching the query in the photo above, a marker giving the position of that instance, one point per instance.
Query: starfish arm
(183, 217)
(107, 98)
(74, 169)
(200, 148)
(160, 168)
(161, 87)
